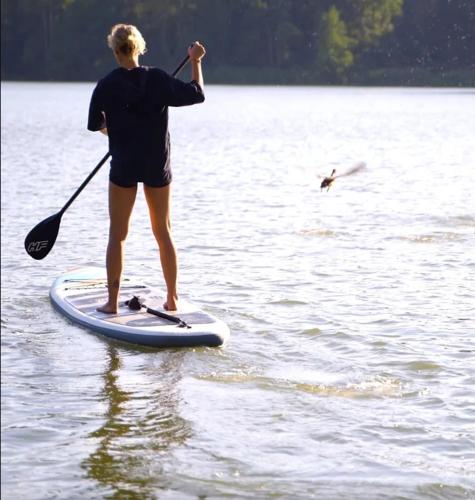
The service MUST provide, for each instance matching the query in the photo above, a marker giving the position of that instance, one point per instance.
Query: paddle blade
(41, 238)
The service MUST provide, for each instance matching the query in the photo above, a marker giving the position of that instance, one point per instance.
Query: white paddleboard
(78, 293)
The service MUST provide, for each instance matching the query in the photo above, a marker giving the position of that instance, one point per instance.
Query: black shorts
(130, 177)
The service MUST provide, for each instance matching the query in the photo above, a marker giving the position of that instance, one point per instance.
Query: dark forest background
(365, 42)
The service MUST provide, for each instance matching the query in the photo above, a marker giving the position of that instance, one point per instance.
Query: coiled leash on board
(137, 303)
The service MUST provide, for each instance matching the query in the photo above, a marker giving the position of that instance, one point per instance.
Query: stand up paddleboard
(78, 293)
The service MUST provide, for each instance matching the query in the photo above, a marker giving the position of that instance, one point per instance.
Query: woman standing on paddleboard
(130, 105)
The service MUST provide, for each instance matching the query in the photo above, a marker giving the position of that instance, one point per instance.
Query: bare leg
(121, 202)
(158, 200)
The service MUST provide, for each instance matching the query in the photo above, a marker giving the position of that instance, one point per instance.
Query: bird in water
(327, 182)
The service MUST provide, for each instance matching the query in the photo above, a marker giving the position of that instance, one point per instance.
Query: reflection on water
(142, 424)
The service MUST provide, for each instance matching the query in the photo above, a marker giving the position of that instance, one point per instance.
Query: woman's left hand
(196, 51)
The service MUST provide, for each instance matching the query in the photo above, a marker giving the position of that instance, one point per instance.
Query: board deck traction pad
(78, 293)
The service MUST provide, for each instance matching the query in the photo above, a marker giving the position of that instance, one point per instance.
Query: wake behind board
(78, 293)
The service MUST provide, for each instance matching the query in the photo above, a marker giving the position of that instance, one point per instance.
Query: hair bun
(127, 39)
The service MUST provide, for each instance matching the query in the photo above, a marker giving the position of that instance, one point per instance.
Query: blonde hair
(127, 39)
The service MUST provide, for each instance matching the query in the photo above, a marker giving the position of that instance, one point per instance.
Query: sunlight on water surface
(350, 369)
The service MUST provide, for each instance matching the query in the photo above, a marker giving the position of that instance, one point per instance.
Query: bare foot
(107, 308)
(171, 304)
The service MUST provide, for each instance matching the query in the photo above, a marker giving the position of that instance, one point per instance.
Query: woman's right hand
(196, 51)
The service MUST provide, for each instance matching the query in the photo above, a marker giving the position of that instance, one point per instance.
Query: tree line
(401, 42)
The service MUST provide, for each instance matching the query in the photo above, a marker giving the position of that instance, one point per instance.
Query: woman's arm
(103, 130)
(196, 53)
(179, 93)
(97, 118)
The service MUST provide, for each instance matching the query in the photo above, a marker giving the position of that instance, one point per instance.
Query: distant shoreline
(296, 85)
(385, 77)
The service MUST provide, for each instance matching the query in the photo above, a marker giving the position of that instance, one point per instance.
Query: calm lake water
(350, 372)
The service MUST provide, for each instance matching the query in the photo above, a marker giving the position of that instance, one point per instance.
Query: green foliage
(272, 41)
(334, 54)
(372, 19)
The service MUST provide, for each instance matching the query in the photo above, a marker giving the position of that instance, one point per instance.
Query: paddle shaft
(106, 157)
(181, 65)
(84, 184)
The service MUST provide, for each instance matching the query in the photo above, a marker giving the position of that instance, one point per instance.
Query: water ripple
(349, 373)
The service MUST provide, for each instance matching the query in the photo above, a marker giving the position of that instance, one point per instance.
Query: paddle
(40, 240)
